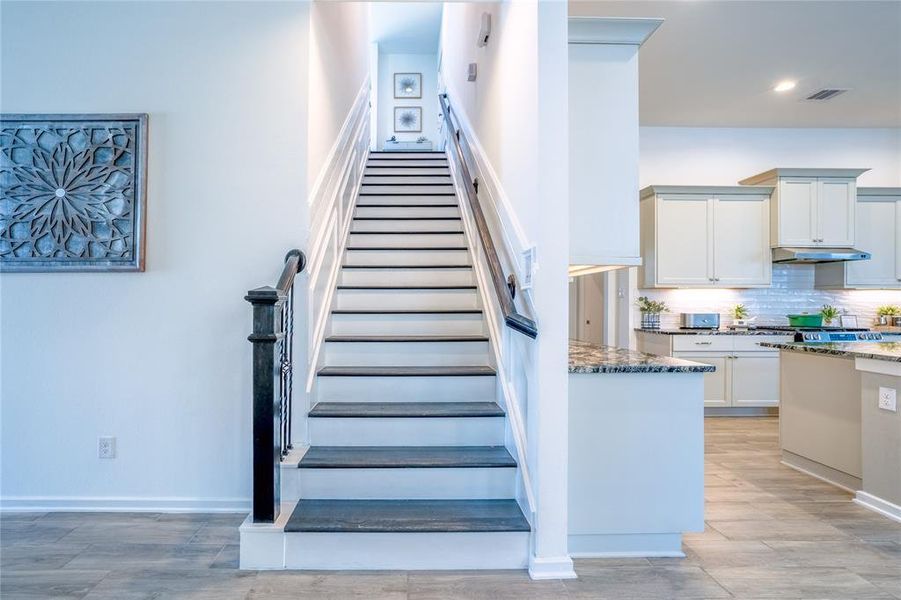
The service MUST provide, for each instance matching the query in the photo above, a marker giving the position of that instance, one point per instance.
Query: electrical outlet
(888, 399)
(106, 447)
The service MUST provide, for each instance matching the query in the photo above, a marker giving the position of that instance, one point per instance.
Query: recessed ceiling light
(784, 86)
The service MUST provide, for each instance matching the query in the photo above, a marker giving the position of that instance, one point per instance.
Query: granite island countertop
(592, 358)
(890, 351)
(759, 331)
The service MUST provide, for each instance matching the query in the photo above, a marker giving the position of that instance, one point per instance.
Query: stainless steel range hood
(817, 255)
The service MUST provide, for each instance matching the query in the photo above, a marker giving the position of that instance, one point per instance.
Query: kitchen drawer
(750, 343)
(703, 343)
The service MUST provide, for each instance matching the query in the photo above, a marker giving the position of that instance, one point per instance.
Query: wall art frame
(408, 119)
(73, 192)
(408, 85)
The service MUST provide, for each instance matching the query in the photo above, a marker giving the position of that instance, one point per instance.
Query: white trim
(612, 30)
(331, 220)
(822, 478)
(557, 567)
(175, 504)
(876, 504)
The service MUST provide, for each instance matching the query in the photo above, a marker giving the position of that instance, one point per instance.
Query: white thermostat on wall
(485, 30)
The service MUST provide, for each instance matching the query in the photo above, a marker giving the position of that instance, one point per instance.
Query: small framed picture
(408, 85)
(848, 320)
(407, 119)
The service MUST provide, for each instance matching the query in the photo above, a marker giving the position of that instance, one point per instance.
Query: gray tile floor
(771, 533)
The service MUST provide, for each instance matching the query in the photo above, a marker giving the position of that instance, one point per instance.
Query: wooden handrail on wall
(504, 288)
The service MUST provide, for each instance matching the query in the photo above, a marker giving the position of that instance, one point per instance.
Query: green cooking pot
(805, 320)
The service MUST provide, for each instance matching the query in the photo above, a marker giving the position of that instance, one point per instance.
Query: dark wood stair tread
(406, 287)
(414, 371)
(405, 248)
(337, 410)
(406, 338)
(406, 457)
(407, 311)
(420, 205)
(406, 267)
(403, 232)
(406, 516)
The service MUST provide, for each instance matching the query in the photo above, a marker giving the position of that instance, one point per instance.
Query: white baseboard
(123, 504)
(556, 567)
(876, 504)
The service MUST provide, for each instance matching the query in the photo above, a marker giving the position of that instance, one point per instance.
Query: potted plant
(830, 313)
(740, 312)
(887, 313)
(650, 312)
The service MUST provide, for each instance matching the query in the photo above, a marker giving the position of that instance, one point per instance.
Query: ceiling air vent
(826, 94)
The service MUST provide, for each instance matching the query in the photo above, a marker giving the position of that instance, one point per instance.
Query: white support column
(549, 421)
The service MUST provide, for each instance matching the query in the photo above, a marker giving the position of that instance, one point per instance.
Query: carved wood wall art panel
(72, 192)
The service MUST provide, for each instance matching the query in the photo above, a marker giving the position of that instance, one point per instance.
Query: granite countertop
(591, 358)
(759, 331)
(890, 351)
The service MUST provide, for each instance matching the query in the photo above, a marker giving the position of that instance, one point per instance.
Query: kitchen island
(636, 451)
(831, 423)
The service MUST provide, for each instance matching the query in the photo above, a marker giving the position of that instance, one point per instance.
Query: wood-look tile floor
(771, 533)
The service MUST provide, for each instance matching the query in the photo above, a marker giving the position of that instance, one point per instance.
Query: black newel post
(267, 332)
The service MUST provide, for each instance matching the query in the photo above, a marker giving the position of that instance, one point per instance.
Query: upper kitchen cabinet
(693, 236)
(811, 207)
(878, 231)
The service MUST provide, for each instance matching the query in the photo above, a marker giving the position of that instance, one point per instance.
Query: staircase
(407, 466)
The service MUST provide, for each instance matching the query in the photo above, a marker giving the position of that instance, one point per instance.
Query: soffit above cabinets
(774, 174)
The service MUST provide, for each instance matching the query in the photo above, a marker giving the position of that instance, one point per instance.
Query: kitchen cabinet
(878, 231)
(811, 207)
(705, 236)
(746, 376)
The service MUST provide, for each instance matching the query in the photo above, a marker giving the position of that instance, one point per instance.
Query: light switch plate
(888, 399)
(529, 266)
(106, 447)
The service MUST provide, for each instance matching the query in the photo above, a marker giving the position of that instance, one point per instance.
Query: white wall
(339, 63)
(723, 156)
(158, 359)
(514, 109)
(391, 63)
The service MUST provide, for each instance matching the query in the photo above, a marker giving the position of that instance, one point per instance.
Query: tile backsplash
(792, 292)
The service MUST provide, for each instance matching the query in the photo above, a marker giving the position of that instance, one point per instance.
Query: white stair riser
(406, 389)
(408, 483)
(403, 156)
(406, 299)
(405, 551)
(392, 170)
(409, 239)
(406, 225)
(407, 257)
(407, 189)
(395, 199)
(407, 324)
(392, 431)
(386, 212)
(421, 162)
(406, 179)
(407, 277)
(387, 354)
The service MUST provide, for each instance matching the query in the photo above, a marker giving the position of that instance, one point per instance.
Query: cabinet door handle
(703, 343)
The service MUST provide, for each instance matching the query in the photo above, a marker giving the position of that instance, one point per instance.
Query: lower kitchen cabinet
(746, 376)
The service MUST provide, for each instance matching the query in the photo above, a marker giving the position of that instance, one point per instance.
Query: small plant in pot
(650, 312)
(887, 314)
(830, 314)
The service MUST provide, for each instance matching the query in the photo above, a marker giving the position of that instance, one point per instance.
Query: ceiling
(714, 63)
(405, 27)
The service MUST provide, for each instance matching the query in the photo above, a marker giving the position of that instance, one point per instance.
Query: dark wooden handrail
(504, 290)
(272, 339)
